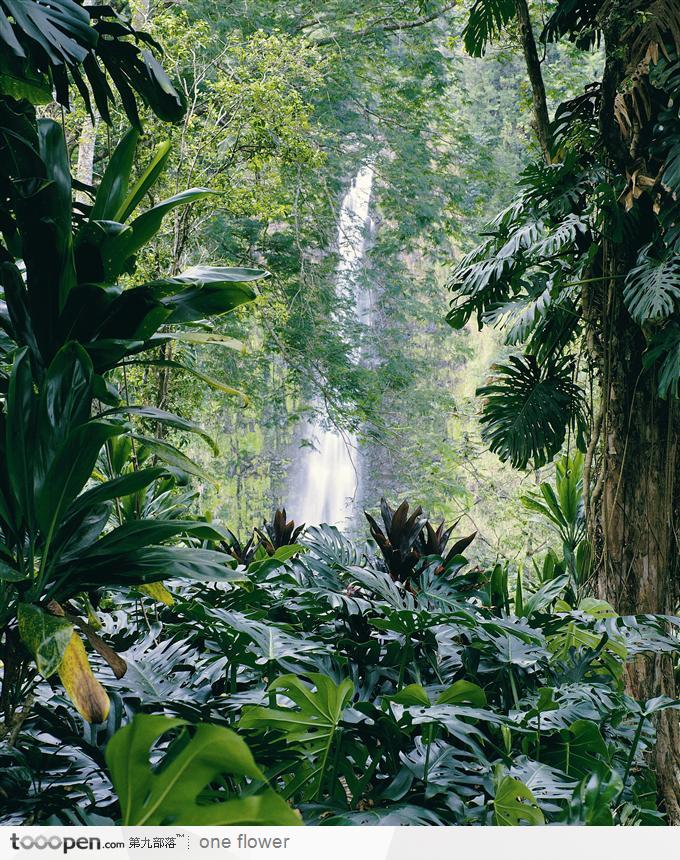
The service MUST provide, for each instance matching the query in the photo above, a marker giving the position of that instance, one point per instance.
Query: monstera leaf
(527, 409)
(61, 28)
(177, 791)
(311, 726)
(652, 288)
(514, 804)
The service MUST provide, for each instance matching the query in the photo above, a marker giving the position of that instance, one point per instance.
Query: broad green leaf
(209, 291)
(574, 634)
(113, 187)
(272, 643)
(116, 488)
(660, 703)
(313, 723)
(411, 694)
(515, 805)
(597, 608)
(148, 564)
(579, 750)
(281, 555)
(20, 424)
(71, 468)
(145, 182)
(30, 85)
(171, 794)
(169, 419)
(158, 592)
(137, 534)
(463, 692)
(65, 404)
(173, 457)
(10, 574)
(121, 247)
(548, 494)
(53, 266)
(652, 288)
(66, 391)
(594, 798)
(528, 407)
(460, 721)
(204, 337)
(545, 595)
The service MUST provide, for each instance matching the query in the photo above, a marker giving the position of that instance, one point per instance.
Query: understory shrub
(362, 699)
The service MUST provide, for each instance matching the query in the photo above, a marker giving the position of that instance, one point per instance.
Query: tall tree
(583, 270)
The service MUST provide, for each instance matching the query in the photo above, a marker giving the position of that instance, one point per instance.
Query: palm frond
(575, 19)
(487, 19)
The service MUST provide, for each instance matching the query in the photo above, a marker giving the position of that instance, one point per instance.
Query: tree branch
(395, 26)
(533, 63)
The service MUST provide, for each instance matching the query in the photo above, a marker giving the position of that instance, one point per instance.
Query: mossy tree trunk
(636, 514)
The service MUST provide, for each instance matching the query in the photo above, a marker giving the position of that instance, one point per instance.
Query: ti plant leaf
(84, 690)
(176, 792)
(46, 636)
(56, 647)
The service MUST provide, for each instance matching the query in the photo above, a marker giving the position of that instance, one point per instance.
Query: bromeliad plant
(68, 326)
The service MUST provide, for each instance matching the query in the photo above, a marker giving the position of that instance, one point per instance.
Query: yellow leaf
(158, 591)
(84, 690)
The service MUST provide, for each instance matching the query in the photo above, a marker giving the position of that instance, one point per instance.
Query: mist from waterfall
(328, 467)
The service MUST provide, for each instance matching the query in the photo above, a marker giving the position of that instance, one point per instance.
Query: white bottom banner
(329, 843)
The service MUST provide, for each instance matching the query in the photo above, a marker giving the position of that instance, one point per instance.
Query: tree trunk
(638, 510)
(635, 506)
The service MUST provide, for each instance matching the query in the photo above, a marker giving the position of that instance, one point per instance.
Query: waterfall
(328, 468)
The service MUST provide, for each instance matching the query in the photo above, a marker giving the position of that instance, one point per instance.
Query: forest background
(283, 111)
(285, 105)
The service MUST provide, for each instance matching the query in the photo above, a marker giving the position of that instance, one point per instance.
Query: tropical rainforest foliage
(174, 324)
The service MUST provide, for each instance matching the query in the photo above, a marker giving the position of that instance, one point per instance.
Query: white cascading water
(328, 468)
